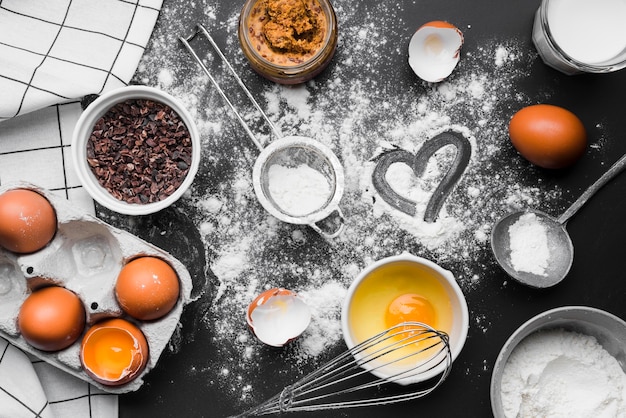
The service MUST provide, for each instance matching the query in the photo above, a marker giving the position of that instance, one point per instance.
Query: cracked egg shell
(114, 351)
(435, 50)
(278, 316)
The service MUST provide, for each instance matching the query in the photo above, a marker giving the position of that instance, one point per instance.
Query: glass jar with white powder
(581, 36)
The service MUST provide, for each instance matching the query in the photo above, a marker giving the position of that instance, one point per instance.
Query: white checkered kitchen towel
(32, 388)
(52, 53)
(55, 51)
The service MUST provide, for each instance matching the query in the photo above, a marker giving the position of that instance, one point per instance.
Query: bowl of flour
(565, 362)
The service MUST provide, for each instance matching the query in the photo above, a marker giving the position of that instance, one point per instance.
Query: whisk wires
(412, 354)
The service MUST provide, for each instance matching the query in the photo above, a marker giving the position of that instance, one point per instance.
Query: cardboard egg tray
(85, 256)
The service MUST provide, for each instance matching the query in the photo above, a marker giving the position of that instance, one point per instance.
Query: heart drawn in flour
(418, 163)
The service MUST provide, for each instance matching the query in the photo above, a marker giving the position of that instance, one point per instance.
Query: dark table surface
(206, 371)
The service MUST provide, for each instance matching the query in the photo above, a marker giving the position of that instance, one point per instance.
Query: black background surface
(598, 230)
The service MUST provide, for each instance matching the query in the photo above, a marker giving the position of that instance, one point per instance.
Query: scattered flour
(562, 374)
(359, 109)
(324, 329)
(165, 78)
(299, 190)
(503, 55)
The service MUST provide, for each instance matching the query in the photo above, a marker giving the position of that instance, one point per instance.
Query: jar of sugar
(581, 36)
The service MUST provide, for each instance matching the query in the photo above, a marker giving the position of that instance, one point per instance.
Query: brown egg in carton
(85, 256)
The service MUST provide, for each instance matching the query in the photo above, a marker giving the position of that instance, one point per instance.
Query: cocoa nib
(140, 151)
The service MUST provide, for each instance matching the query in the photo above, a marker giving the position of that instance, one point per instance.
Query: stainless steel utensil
(559, 241)
(327, 220)
(347, 381)
(608, 329)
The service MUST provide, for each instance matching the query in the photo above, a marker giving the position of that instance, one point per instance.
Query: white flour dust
(363, 105)
(299, 190)
(529, 245)
(561, 374)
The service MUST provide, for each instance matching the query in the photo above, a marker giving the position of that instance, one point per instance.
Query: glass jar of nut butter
(288, 41)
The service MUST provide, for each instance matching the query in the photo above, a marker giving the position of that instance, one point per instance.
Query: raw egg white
(51, 318)
(434, 50)
(114, 352)
(548, 136)
(27, 221)
(278, 316)
(396, 293)
(147, 288)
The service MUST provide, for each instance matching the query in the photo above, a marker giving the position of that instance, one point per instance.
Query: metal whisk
(348, 380)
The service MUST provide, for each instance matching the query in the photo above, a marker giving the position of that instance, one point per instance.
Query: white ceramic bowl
(460, 315)
(83, 130)
(608, 329)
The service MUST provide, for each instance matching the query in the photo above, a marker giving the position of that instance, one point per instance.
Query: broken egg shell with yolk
(434, 50)
(114, 352)
(278, 316)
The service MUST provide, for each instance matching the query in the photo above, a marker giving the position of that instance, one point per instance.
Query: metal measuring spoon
(560, 245)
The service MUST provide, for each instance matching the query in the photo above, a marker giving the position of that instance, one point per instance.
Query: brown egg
(27, 221)
(548, 136)
(147, 288)
(114, 352)
(51, 318)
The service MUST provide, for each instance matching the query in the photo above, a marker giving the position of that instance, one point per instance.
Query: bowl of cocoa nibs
(136, 150)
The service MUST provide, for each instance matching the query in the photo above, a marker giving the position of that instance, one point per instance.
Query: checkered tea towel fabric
(55, 51)
(32, 388)
(52, 53)
(35, 148)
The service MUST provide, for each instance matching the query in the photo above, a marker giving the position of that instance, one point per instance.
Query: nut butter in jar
(288, 41)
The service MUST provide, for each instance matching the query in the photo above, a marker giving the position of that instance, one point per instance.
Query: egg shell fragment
(435, 50)
(85, 256)
(278, 316)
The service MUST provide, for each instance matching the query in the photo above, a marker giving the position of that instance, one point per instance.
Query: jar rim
(607, 66)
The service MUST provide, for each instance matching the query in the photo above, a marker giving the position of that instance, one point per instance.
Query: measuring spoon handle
(615, 169)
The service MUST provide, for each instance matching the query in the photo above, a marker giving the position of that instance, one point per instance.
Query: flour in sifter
(298, 191)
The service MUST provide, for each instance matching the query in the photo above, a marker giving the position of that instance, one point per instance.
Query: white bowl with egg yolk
(424, 292)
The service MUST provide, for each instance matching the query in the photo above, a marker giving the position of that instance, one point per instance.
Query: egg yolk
(114, 352)
(410, 307)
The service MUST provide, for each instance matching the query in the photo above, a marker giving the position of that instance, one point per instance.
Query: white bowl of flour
(565, 362)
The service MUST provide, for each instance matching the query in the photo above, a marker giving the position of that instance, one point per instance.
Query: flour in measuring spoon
(591, 32)
(529, 245)
(299, 190)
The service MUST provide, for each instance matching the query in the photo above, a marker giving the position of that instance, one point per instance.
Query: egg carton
(85, 256)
